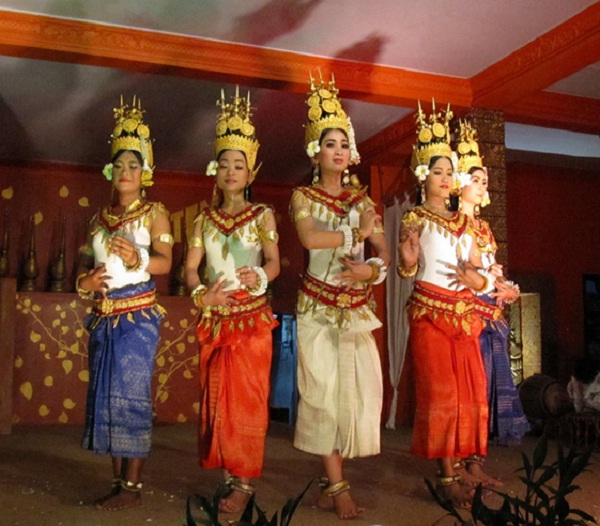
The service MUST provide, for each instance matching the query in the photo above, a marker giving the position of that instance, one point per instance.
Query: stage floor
(45, 478)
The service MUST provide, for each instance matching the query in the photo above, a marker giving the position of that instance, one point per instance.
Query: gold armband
(165, 238)
(269, 236)
(301, 214)
(378, 230)
(195, 242)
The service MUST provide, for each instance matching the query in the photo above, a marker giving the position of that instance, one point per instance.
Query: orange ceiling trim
(399, 136)
(551, 57)
(49, 38)
(557, 110)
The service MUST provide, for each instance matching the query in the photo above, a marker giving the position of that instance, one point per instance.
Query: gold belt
(112, 307)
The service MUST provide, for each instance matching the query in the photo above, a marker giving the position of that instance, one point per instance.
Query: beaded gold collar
(227, 224)
(112, 223)
(340, 204)
(456, 224)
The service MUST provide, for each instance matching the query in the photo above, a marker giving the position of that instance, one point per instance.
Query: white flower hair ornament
(462, 179)
(107, 171)
(422, 171)
(313, 149)
(211, 168)
(354, 155)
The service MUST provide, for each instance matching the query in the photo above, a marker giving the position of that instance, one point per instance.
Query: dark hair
(231, 149)
(134, 152)
(327, 130)
(473, 169)
(586, 369)
(436, 158)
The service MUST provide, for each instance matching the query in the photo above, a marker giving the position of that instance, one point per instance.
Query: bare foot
(235, 502)
(345, 508)
(325, 502)
(121, 501)
(456, 493)
(475, 470)
(466, 478)
(99, 503)
(342, 503)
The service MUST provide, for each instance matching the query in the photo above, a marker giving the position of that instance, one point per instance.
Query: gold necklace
(436, 210)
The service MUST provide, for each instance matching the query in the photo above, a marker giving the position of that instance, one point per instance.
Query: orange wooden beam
(556, 110)
(551, 57)
(49, 38)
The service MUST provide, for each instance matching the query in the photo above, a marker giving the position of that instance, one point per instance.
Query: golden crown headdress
(235, 131)
(130, 133)
(467, 148)
(325, 111)
(433, 136)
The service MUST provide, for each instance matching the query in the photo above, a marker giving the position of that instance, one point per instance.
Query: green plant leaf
(583, 515)
(289, 508)
(540, 452)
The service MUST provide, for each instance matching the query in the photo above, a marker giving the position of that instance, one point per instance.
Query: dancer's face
(127, 172)
(439, 180)
(475, 192)
(335, 152)
(232, 172)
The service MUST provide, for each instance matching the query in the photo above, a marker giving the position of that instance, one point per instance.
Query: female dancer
(234, 331)
(451, 409)
(507, 422)
(129, 241)
(339, 373)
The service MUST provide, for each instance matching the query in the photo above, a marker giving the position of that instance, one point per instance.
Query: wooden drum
(542, 397)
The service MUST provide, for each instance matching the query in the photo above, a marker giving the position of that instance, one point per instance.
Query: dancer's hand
(96, 280)
(354, 271)
(248, 278)
(505, 293)
(369, 218)
(125, 249)
(408, 248)
(466, 274)
(216, 295)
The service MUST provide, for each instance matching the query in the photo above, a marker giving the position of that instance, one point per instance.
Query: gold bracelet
(407, 272)
(136, 265)
(83, 294)
(376, 272)
(197, 294)
(356, 237)
(483, 287)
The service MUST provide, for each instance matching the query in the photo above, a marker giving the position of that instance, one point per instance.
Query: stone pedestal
(525, 344)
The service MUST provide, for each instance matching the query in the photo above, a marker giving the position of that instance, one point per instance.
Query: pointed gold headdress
(468, 157)
(433, 138)
(130, 133)
(467, 148)
(235, 131)
(325, 111)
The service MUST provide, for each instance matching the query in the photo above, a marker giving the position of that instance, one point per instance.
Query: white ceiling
(62, 111)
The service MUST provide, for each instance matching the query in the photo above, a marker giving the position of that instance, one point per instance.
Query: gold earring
(423, 195)
(459, 203)
(315, 179)
(346, 178)
(447, 203)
